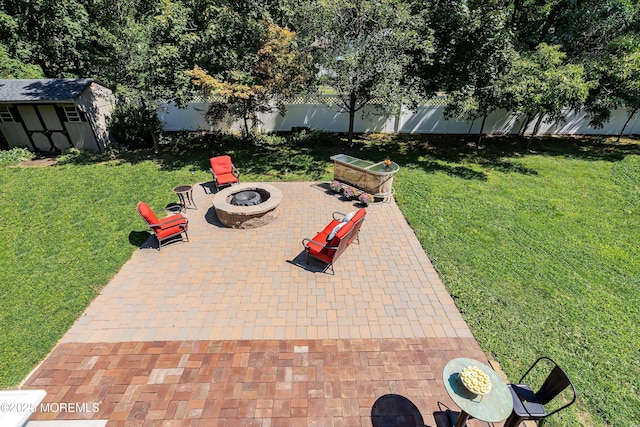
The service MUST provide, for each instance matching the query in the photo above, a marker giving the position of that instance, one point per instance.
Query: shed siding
(41, 142)
(50, 117)
(96, 102)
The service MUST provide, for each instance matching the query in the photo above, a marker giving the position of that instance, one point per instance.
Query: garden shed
(49, 115)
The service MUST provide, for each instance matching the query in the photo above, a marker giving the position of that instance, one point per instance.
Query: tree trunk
(484, 119)
(156, 146)
(631, 114)
(352, 114)
(523, 129)
(470, 128)
(154, 137)
(246, 127)
(535, 130)
(245, 118)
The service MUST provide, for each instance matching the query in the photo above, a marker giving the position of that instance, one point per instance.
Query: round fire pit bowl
(253, 216)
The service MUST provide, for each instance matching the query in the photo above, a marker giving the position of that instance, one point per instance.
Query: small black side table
(185, 195)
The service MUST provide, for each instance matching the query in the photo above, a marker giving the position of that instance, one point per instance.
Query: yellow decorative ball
(475, 380)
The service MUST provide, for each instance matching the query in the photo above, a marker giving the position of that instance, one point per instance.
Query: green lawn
(542, 256)
(67, 230)
(540, 251)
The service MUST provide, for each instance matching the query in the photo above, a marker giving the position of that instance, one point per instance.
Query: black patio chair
(530, 405)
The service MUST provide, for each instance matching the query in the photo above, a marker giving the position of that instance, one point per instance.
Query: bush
(134, 123)
(268, 139)
(15, 156)
(308, 137)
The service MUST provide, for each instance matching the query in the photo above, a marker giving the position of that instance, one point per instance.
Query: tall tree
(141, 51)
(540, 84)
(473, 64)
(363, 49)
(50, 34)
(443, 24)
(619, 85)
(279, 71)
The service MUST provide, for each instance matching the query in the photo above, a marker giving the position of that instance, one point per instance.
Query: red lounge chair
(223, 171)
(166, 228)
(329, 250)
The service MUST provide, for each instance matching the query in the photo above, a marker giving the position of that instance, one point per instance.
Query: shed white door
(44, 127)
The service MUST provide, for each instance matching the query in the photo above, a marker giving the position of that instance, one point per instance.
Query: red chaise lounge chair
(223, 171)
(165, 228)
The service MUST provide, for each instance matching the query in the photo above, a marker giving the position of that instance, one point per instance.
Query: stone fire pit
(255, 215)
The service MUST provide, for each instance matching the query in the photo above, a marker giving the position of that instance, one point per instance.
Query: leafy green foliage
(11, 68)
(364, 49)
(390, 51)
(50, 34)
(14, 156)
(279, 72)
(584, 28)
(481, 54)
(539, 254)
(134, 124)
(540, 83)
(232, 31)
(619, 84)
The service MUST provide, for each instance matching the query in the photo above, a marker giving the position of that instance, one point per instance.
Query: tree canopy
(363, 49)
(481, 54)
(279, 70)
(388, 50)
(540, 84)
(619, 85)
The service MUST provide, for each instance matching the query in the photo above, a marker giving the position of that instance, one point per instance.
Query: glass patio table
(492, 407)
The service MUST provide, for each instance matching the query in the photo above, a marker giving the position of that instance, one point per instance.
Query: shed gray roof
(42, 90)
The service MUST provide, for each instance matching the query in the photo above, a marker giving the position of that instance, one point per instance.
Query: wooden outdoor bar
(374, 178)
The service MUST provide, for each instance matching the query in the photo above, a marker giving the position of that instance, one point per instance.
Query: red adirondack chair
(223, 171)
(166, 228)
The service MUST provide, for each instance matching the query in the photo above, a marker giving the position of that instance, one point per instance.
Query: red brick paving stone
(338, 387)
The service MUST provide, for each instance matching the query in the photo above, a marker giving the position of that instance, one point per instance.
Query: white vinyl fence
(427, 119)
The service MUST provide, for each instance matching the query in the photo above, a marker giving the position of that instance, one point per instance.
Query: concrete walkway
(234, 329)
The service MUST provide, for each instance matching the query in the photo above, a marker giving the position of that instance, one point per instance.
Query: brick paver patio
(234, 329)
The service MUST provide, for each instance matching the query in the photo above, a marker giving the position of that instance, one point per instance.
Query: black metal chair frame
(235, 171)
(353, 234)
(170, 221)
(555, 383)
